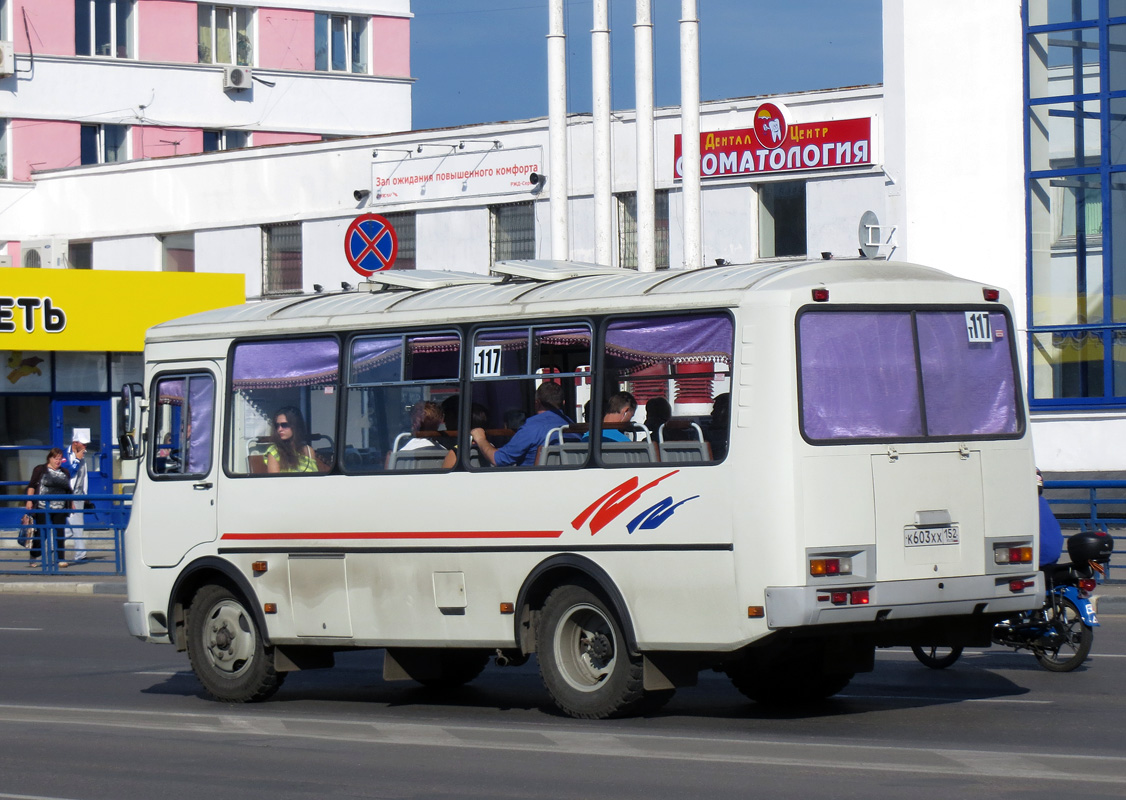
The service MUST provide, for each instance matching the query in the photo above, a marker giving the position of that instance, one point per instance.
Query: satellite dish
(869, 234)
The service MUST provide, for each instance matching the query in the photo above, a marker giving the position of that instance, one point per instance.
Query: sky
(486, 60)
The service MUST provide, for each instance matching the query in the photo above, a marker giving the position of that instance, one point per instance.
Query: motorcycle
(1059, 634)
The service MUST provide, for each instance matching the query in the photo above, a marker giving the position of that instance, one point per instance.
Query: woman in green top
(290, 451)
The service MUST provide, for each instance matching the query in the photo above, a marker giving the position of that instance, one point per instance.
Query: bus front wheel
(584, 660)
(226, 649)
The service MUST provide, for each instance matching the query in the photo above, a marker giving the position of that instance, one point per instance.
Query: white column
(690, 133)
(557, 132)
(643, 89)
(600, 94)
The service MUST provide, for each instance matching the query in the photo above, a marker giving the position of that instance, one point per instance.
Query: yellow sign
(65, 309)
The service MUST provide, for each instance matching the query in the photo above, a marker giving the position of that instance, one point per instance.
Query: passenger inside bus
(716, 434)
(426, 418)
(618, 411)
(521, 448)
(290, 450)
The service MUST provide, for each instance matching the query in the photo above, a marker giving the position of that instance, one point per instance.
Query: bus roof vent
(423, 279)
(547, 270)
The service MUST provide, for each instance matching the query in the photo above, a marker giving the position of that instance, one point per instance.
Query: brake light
(820, 295)
(991, 294)
(1087, 584)
(838, 598)
(858, 597)
(830, 566)
(1012, 555)
(1019, 586)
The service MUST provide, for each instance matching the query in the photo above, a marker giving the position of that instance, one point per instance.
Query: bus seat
(257, 464)
(419, 458)
(640, 452)
(562, 455)
(686, 451)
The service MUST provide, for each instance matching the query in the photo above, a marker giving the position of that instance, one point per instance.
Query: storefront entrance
(90, 415)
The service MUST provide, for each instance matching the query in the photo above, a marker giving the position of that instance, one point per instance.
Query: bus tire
(785, 683)
(456, 668)
(226, 649)
(583, 656)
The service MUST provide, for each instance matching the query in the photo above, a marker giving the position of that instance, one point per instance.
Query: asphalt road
(87, 712)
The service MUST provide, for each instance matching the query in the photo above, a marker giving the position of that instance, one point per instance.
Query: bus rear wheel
(795, 680)
(584, 660)
(226, 649)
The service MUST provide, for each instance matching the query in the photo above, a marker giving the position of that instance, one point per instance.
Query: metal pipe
(643, 90)
(600, 94)
(557, 131)
(690, 134)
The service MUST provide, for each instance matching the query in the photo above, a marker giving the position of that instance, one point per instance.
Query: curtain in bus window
(201, 416)
(858, 375)
(641, 343)
(969, 387)
(276, 365)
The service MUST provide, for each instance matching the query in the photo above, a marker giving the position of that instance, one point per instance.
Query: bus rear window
(894, 375)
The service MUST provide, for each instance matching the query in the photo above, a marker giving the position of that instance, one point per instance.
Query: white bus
(847, 466)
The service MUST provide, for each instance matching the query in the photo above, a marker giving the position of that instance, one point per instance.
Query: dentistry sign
(773, 145)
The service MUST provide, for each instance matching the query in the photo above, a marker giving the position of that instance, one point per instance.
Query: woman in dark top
(50, 477)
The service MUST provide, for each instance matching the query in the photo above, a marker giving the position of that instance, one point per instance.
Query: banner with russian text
(805, 146)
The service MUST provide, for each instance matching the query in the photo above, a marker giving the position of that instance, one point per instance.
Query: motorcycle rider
(1051, 535)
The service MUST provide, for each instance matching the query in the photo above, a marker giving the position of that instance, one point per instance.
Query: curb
(63, 588)
(1110, 605)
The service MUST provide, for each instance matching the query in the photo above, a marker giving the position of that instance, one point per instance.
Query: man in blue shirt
(1051, 536)
(620, 408)
(521, 448)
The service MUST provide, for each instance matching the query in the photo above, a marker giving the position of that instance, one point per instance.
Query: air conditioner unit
(44, 253)
(7, 59)
(236, 78)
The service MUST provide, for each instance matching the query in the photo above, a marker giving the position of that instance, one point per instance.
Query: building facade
(124, 83)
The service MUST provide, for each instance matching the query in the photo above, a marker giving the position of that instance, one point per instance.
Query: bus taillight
(830, 566)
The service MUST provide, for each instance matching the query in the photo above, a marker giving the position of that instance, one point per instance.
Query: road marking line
(555, 740)
(165, 674)
(30, 797)
(850, 696)
(18, 629)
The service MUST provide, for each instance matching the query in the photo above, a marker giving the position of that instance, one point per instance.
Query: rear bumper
(799, 606)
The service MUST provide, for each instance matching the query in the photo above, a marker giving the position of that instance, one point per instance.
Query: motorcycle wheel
(1064, 620)
(936, 657)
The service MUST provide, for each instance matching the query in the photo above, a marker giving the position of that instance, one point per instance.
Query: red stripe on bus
(400, 535)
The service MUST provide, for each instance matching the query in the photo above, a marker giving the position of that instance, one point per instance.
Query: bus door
(180, 494)
(89, 420)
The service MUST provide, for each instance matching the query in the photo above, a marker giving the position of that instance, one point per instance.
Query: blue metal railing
(1082, 512)
(102, 528)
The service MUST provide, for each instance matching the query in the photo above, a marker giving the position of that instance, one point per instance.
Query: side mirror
(131, 395)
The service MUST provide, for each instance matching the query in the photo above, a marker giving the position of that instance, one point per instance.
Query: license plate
(927, 537)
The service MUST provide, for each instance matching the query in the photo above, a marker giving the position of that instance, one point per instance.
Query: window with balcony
(104, 144)
(340, 43)
(4, 150)
(214, 141)
(226, 35)
(281, 259)
(104, 28)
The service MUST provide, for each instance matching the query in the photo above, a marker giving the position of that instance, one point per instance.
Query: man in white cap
(76, 466)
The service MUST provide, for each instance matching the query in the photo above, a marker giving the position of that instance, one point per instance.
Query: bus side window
(283, 407)
(510, 365)
(402, 401)
(678, 368)
(183, 422)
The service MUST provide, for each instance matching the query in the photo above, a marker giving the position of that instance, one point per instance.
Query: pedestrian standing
(50, 477)
(76, 522)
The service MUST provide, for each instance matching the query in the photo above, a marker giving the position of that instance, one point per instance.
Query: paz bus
(848, 466)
